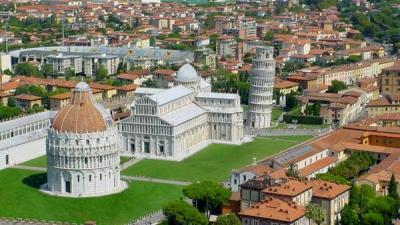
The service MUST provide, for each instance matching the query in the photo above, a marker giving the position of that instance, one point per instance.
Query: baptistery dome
(82, 149)
(187, 74)
(81, 115)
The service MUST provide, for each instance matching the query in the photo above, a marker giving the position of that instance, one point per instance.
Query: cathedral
(175, 123)
(82, 149)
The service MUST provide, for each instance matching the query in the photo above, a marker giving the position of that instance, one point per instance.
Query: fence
(20, 221)
(152, 218)
(287, 132)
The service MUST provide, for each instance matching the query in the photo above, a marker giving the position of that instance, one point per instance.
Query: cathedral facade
(82, 149)
(174, 123)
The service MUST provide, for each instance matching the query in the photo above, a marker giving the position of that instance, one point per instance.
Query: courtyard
(20, 198)
(214, 162)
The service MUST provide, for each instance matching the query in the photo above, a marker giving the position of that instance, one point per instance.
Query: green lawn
(42, 161)
(20, 200)
(124, 159)
(214, 162)
(276, 112)
(39, 162)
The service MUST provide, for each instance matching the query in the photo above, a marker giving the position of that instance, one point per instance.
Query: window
(76, 142)
(101, 176)
(86, 160)
(7, 160)
(90, 178)
(78, 178)
(87, 142)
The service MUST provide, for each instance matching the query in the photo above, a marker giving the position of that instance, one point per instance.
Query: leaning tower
(261, 88)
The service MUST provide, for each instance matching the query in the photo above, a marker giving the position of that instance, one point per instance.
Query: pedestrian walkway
(130, 163)
(34, 168)
(155, 180)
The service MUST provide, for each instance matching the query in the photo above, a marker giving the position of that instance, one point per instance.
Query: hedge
(316, 120)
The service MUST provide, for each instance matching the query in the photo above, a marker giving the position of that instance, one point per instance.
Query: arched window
(76, 142)
(87, 142)
(101, 176)
(90, 178)
(78, 178)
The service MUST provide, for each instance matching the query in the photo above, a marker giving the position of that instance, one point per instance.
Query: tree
(292, 171)
(26, 69)
(208, 196)
(101, 73)
(291, 101)
(68, 72)
(372, 218)
(393, 188)
(47, 70)
(228, 219)
(269, 36)
(315, 213)
(150, 83)
(30, 90)
(11, 102)
(349, 216)
(181, 213)
(336, 86)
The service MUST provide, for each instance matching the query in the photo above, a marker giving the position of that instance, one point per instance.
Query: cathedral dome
(81, 115)
(187, 74)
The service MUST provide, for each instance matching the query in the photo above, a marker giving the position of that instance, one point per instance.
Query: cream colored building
(174, 123)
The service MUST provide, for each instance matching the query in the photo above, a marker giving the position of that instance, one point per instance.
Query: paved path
(153, 218)
(34, 168)
(155, 180)
(131, 162)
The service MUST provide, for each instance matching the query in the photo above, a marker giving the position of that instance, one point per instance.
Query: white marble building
(82, 149)
(261, 88)
(23, 138)
(174, 123)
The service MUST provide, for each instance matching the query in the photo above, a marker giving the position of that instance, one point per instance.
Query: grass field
(42, 161)
(214, 162)
(21, 200)
(39, 162)
(276, 112)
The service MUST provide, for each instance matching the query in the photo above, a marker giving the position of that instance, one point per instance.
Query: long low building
(24, 138)
(83, 59)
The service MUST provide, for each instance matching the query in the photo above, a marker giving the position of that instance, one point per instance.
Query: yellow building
(386, 104)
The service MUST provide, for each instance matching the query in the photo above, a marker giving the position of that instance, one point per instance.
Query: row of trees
(225, 81)
(367, 209)
(337, 62)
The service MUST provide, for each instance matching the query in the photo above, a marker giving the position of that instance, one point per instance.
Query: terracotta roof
(327, 190)
(259, 170)
(128, 87)
(291, 188)
(27, 97)
(285, 84)
(165, 72)
(80, 115)
(61, 96)
(320, 164)
(275, 209)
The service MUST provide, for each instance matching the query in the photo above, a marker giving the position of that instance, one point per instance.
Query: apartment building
(383, 105)
(389, 80)
(92, 63)
(60, 62)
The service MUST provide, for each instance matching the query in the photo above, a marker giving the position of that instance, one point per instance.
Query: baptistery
(82, 149)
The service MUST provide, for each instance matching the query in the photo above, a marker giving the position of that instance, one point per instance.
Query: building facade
(174, 123)
(82, 149)
(261, 88)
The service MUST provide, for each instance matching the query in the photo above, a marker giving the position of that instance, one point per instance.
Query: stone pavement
(155, 180)
(131, 162)
(34, 168)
